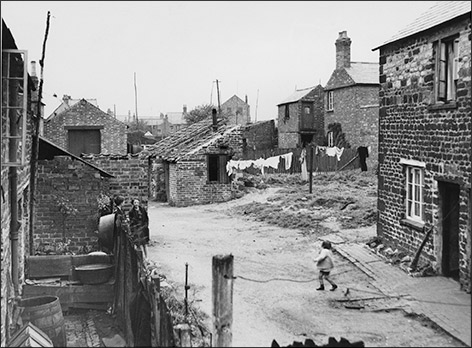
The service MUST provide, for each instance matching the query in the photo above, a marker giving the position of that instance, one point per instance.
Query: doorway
(449, 213)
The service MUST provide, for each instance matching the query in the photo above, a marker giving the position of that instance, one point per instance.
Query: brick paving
(438, 298)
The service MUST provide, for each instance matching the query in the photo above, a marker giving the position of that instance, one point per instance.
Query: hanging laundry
(272, 162)
(288, 160)
(339, 152)
(331, 151)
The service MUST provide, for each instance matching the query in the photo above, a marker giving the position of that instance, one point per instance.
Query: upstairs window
(287, 112)
(217, 169)
(330, 101)
(330, 139)
(307, 110)
(446, 73)
(14, 107)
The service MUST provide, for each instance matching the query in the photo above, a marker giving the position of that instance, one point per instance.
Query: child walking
(324, 263)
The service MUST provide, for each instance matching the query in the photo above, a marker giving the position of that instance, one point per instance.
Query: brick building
(352, 99)
(19, 106)
(258, 137)
(425, 139)
(189, 167)
(84, 128)
(301, 118)
(238, 111)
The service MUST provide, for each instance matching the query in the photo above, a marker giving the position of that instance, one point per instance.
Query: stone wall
(259, 136)
(356, 108)
(413, 127)
(84, 114)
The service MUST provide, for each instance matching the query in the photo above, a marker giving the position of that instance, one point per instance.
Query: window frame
(20, 133)
(330, 101)
(446, 69)
(330, 137)
(414, 192)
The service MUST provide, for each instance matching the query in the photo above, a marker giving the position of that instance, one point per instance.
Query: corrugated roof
(363, 73)
(297, 95)
(183, 143)
(442, 12)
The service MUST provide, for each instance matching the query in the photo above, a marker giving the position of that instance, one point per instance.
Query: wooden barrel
(45, 312)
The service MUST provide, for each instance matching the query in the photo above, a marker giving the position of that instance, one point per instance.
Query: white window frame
(20, 133)
(330, 106)
(414, 186)
(330, 139)
(446, 72)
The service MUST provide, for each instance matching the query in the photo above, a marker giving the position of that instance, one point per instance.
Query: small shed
(189, 167)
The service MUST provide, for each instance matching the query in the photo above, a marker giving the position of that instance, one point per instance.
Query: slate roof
(187, 141)
(63, 106)
(297, 95)
(364, 73)
(441, 12)
(48, 150)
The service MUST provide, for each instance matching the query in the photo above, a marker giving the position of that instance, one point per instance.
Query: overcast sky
(178, 49)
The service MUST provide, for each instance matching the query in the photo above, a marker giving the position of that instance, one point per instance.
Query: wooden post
(222, 300)
(311, 168)
(156, 288)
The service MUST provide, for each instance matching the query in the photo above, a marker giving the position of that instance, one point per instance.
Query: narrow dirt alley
(274, 289)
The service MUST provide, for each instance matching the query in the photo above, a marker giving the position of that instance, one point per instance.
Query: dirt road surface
(274, 290)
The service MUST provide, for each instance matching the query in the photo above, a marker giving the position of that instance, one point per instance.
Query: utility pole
(136, 99)
(257, 102)
(218, 91)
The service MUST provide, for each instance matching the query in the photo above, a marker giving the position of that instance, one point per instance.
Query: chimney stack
(185, 109)
(343, 51)
(213, 114)
(66, 99)
(33, 69)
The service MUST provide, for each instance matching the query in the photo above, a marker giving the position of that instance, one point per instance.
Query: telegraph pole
(136, 99)
(218, 92)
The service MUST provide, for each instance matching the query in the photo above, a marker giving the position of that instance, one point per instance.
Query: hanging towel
(288, 160)
(339, 152)
(272, 162)
(331, 151)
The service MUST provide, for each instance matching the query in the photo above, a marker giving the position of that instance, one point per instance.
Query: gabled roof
(297, 95)
(86, 102)
(364, 73)
(441, 12)
(185, 142)
(47, 151)
(237, 99)
(71, 102)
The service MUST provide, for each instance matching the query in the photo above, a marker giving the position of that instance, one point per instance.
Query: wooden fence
(321, 162)
(140, 308)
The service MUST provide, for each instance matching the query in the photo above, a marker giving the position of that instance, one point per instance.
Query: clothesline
(272, 162)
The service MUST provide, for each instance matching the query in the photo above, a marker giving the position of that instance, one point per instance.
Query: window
(217, 169)
(446, 53)
(330, 101)
(229, 110)
(239, 111)
(307, 110)
(14, 106)
(287, 112)
(414, 193)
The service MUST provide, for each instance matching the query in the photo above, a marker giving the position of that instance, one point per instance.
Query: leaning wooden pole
(222, 301)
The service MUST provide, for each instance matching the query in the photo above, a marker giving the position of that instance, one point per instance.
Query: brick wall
(356, 109)
(84, 114)
(65, 178)
(259, 136)
(412, 127)
(132, 176)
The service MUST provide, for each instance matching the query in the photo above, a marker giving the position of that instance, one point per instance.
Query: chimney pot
(213, 114)
(185, 109)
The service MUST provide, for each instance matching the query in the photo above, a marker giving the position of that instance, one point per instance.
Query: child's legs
(321, 276)
(326, 276)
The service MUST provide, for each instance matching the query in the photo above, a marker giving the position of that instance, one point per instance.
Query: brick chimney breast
(343, 51)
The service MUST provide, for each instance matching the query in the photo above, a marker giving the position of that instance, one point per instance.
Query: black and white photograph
(236, 174)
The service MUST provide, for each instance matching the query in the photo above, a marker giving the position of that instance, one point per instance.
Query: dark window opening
(217, 169)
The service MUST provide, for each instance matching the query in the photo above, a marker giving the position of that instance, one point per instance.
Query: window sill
(332, 110)
(413, 224)
(443, 106)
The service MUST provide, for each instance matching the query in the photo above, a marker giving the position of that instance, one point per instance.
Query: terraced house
(424, 187)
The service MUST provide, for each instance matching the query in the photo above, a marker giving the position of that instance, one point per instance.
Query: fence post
(222, 291)
(156, 311)
(311, 168)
